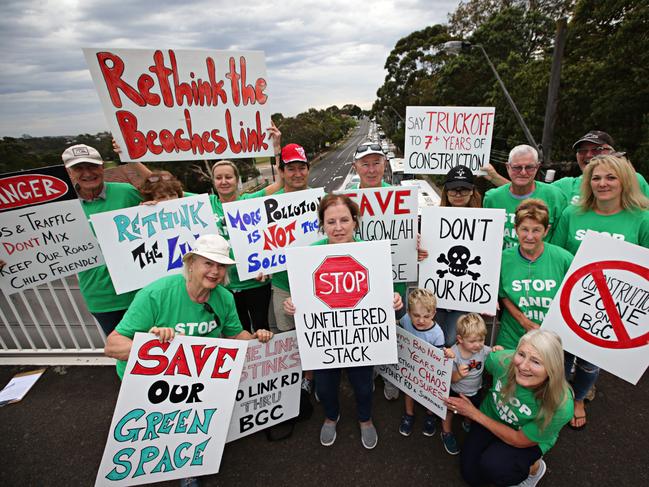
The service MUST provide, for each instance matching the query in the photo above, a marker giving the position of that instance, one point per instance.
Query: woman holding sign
(339, 218)
(521, 416)
(611, 202)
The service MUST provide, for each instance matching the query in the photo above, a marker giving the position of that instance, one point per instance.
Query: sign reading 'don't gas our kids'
(391, 214)
(269, 390)
(464, 253)
(173, 410)
(143, 243)
(44, 233)
(261, 229)
(441, 138)
(601, 310)
(343, 298)
(422, 372)
(171, 105)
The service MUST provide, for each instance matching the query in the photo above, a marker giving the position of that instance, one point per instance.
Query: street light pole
(455, 47)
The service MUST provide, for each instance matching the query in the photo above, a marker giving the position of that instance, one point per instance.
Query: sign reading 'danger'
(343, 297)
(391, 214)
(422, 372)
(441, 138)
(262, 229)
(44, 233)
(464, 253)
(143, 243)
(601, 310)
(269, 391)
(173, 410)
(170, 105)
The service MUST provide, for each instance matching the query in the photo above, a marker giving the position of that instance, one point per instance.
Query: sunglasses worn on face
(363, 148)
(519, 169)
(460, 192)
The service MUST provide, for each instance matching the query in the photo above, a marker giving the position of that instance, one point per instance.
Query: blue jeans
(447, 319)
(586, 375)
(327, 383)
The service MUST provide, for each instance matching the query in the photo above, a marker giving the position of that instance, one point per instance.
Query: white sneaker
(532, 480)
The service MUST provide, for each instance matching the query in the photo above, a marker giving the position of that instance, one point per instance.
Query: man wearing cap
(522, 166)
(86, 169)
(592, 144)
(369, 164)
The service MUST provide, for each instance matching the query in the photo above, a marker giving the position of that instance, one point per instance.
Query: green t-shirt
(165, 303)
(571, 187)
(531, 286)
(235, 284)
(95, 284)
(501, 197)
(522, 409)
(629, 225)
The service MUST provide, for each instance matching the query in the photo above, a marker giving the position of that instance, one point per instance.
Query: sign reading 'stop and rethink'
(441, 138)
(169, 105)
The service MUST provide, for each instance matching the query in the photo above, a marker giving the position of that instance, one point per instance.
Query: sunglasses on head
(164, 177)
(366, 147)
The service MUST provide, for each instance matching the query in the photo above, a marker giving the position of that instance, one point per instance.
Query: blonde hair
(631, 197)
(534, 209)
(471, 324)
(555, 390)
(188, 259)
(424, 298)
(228, 164)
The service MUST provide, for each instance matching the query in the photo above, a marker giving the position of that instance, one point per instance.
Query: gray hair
(521, 150)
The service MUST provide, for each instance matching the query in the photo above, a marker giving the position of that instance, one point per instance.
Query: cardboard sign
(262, 229)
(143, 243)
(174, 105)
(422, 372)
(601, 310)
(441, 138)
(44, 233)
(173, 410)
(464, 253)
(343, 296)
(391, 214)
(269, 391)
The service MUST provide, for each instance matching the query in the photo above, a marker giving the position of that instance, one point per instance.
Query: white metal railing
(50, 325)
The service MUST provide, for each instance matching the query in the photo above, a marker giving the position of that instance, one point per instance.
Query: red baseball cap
(293, 153)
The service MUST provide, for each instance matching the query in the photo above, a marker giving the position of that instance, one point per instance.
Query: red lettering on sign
(220, 361)
(145, 353)
(201, 354)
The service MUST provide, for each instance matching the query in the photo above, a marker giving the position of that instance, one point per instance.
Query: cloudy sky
(318, 53)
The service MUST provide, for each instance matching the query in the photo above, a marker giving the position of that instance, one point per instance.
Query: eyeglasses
(519, 169)
(596, 150)
(460, 192)
(164, 177)
(366, 147)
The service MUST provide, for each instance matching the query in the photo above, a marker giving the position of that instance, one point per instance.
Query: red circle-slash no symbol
(596, 269)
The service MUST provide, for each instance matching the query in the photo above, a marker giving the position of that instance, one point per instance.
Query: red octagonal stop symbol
(341, 281)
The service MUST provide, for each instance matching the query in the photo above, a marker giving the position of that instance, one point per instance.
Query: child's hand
(397, 303)
(449, 353)
(463, 370)
(497, 348)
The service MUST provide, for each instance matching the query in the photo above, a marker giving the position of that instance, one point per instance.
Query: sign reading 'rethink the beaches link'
(262, 229)
(343, 296)
(441, 138)
(44, 233)
(171, 105)
(173, 410)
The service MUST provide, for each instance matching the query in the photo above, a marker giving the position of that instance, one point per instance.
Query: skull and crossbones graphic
(457, 259)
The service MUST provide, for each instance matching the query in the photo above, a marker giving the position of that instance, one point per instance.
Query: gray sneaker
(532, 480)
(328, 433)
(369, 436)
(390, 391)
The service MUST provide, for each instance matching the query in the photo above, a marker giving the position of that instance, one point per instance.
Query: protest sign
(422, 372)
(143, 243)
(173, 410)
(343, 296)
(261, 229)
(269, 391)
(464, 253)
(391, 214)
(601, 310)
(441, 138)
(171, 105)
(43, 230)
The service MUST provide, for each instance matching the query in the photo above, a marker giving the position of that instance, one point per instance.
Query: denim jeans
(327, 383)
(586, 375)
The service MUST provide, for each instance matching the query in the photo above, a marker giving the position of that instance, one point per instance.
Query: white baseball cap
(79, 153)
(212, 247)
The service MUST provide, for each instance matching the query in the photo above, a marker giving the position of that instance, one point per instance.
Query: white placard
(422, 372)
(391, 214)
(261, 229)
(441, 138)
(601, 310)
(464, 254)
(175, 104)
(269, 391)
(343, 296)
(173, 410)
(143, 243)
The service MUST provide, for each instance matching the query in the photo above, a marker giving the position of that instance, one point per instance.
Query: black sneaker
(405, 428)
